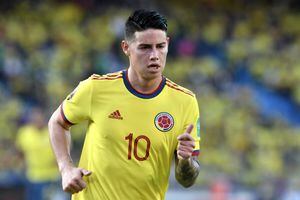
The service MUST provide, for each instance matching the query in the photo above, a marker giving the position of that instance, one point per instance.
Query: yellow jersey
(40, 160)
(131, 136)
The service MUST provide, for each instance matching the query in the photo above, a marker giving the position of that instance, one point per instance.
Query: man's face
(147, 52)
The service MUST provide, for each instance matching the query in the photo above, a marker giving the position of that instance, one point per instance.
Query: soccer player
(138, 121)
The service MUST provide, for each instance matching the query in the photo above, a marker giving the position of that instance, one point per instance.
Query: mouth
(155, 66)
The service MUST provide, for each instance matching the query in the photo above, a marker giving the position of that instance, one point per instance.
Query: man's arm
(60, 139)
(187, 170)
(187, 167)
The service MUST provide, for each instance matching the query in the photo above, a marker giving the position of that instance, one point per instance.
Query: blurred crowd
(238, 58)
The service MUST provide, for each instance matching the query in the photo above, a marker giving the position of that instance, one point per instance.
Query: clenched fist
(186, 144)
(72, 179)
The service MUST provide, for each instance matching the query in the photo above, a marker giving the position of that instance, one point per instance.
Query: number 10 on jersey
(135, 142)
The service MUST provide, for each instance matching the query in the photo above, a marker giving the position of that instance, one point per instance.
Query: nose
(154, 55)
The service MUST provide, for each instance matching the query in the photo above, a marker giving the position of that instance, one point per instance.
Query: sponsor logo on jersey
(164, 121)
(115, 115)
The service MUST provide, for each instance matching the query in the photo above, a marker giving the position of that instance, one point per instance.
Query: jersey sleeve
(77, 106)
(193, 117)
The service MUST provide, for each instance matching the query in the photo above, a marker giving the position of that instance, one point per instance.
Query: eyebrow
(146, 44)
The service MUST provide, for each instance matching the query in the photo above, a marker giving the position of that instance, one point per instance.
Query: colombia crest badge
(164, 121)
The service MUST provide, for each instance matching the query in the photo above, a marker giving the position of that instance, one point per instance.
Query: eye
(160, 46)
(144, 47)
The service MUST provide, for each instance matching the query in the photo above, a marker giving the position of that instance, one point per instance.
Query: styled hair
(141, 20)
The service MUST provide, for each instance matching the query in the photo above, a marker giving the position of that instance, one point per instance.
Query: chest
(138, 121)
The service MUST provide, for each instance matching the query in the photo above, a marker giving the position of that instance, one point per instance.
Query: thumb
(85, 172)
(189, 129)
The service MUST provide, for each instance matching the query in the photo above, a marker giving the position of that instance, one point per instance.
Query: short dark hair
(141, 20)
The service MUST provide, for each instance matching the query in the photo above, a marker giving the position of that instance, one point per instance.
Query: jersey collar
(139, 94)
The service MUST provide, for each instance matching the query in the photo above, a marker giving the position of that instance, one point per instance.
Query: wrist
(183, 164)
(185, 161)
(65, 165)
(187, 164)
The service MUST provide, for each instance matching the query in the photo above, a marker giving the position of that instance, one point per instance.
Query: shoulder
(106, 77)
(96, 80)
(97, 83)
(182, 91)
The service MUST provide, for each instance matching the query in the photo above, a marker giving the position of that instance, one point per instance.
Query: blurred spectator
(41, 169)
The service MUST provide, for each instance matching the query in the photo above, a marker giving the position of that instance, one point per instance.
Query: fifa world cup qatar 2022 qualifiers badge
(164, 121)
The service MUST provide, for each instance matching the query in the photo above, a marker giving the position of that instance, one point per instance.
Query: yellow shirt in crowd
(40, 161)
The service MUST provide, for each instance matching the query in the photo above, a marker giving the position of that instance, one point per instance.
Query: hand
(186, 144)
(72, 179)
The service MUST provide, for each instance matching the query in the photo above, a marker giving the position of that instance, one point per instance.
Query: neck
(141, 84)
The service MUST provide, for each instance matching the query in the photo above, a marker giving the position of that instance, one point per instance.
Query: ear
(168, 40)
(125, 47)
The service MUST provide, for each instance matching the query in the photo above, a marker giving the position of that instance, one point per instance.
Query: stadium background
(240, 57)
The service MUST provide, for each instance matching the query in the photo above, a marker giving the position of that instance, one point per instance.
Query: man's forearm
(60, 141)
(187, 171)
